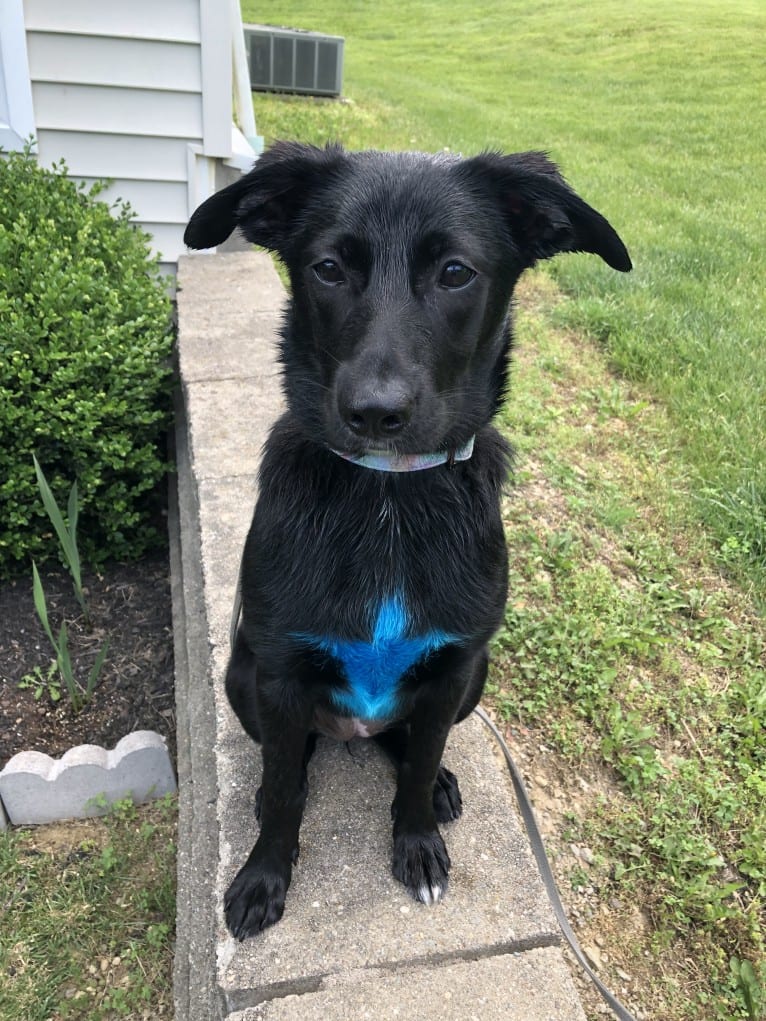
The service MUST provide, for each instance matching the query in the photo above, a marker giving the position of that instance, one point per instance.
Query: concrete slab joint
(508, 987)
(351, 944)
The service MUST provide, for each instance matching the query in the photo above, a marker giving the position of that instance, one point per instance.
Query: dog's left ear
(265, 203)
(543, 214)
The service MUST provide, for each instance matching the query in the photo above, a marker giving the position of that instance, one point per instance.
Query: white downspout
(243, 96)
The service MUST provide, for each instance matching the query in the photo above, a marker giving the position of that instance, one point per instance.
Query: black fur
(396, 338)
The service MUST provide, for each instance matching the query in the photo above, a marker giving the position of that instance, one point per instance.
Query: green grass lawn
(625, 653)
(638, 409)
(625, 650)
(656, 114)
(87, 917)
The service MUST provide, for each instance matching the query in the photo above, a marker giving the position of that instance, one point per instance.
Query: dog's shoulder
(492, 458)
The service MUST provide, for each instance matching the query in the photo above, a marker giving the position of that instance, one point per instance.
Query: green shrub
(84, 366)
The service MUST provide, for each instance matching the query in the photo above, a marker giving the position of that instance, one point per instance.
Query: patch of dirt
(614, 934)
(59, 838)
(130, 606)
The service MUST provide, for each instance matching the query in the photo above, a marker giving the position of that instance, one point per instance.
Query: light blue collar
(382, 461)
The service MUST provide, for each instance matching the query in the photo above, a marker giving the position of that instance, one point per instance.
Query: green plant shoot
(78, 696)
(65, 530)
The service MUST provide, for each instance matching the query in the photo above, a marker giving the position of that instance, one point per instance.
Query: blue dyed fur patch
(374, 669)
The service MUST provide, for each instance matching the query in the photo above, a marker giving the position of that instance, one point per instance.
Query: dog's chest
(373, 669)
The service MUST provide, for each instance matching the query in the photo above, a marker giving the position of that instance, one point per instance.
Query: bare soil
(130, 606)
(615, 934)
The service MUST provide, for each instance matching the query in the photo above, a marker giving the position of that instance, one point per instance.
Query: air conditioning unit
(291, 60)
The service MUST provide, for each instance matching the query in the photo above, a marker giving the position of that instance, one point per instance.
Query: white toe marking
(430, 894)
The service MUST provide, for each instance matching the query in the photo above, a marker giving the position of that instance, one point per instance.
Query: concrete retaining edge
(194, 969)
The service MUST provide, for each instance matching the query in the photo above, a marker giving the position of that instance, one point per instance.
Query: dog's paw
(255, 900)
(448, 803)
(421, 862)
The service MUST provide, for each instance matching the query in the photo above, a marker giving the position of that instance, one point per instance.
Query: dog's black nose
(380, 414)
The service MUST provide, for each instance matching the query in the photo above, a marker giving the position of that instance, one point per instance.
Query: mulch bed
(130, 605)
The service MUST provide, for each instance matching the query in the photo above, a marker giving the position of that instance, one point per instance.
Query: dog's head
(402, 268)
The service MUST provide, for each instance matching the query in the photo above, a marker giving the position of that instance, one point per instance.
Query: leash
(543, 865)
(533, 832)
(236, 611)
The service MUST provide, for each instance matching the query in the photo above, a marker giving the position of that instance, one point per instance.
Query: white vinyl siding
(115, 156)
(127, 63)
(138, 92)
(97, 108)
(159, 201)
(177, 20)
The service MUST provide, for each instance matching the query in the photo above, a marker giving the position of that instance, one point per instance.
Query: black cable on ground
(538, 850)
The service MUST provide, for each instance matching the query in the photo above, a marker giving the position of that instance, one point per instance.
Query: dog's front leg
(420, 858)
(256, 897)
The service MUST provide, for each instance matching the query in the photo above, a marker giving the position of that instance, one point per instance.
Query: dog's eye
(329, 272)
(456, 275)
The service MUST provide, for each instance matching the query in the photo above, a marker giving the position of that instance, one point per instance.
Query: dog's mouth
(341, 437)
(354, 446)
(378, 449)
(407, 445)
(418, 443)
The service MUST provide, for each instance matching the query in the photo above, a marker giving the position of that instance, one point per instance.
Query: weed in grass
(629, 744)
(752, 990)
(744, 509)
(373, 124)
(43, 682)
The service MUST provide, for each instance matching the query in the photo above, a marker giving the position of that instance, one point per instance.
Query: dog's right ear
(267, 201)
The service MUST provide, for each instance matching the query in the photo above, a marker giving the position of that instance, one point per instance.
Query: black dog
(375, 570)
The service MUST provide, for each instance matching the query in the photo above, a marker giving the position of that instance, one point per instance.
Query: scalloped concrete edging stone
(86, 780)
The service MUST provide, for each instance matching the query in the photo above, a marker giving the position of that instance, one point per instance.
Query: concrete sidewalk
(352, 944)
